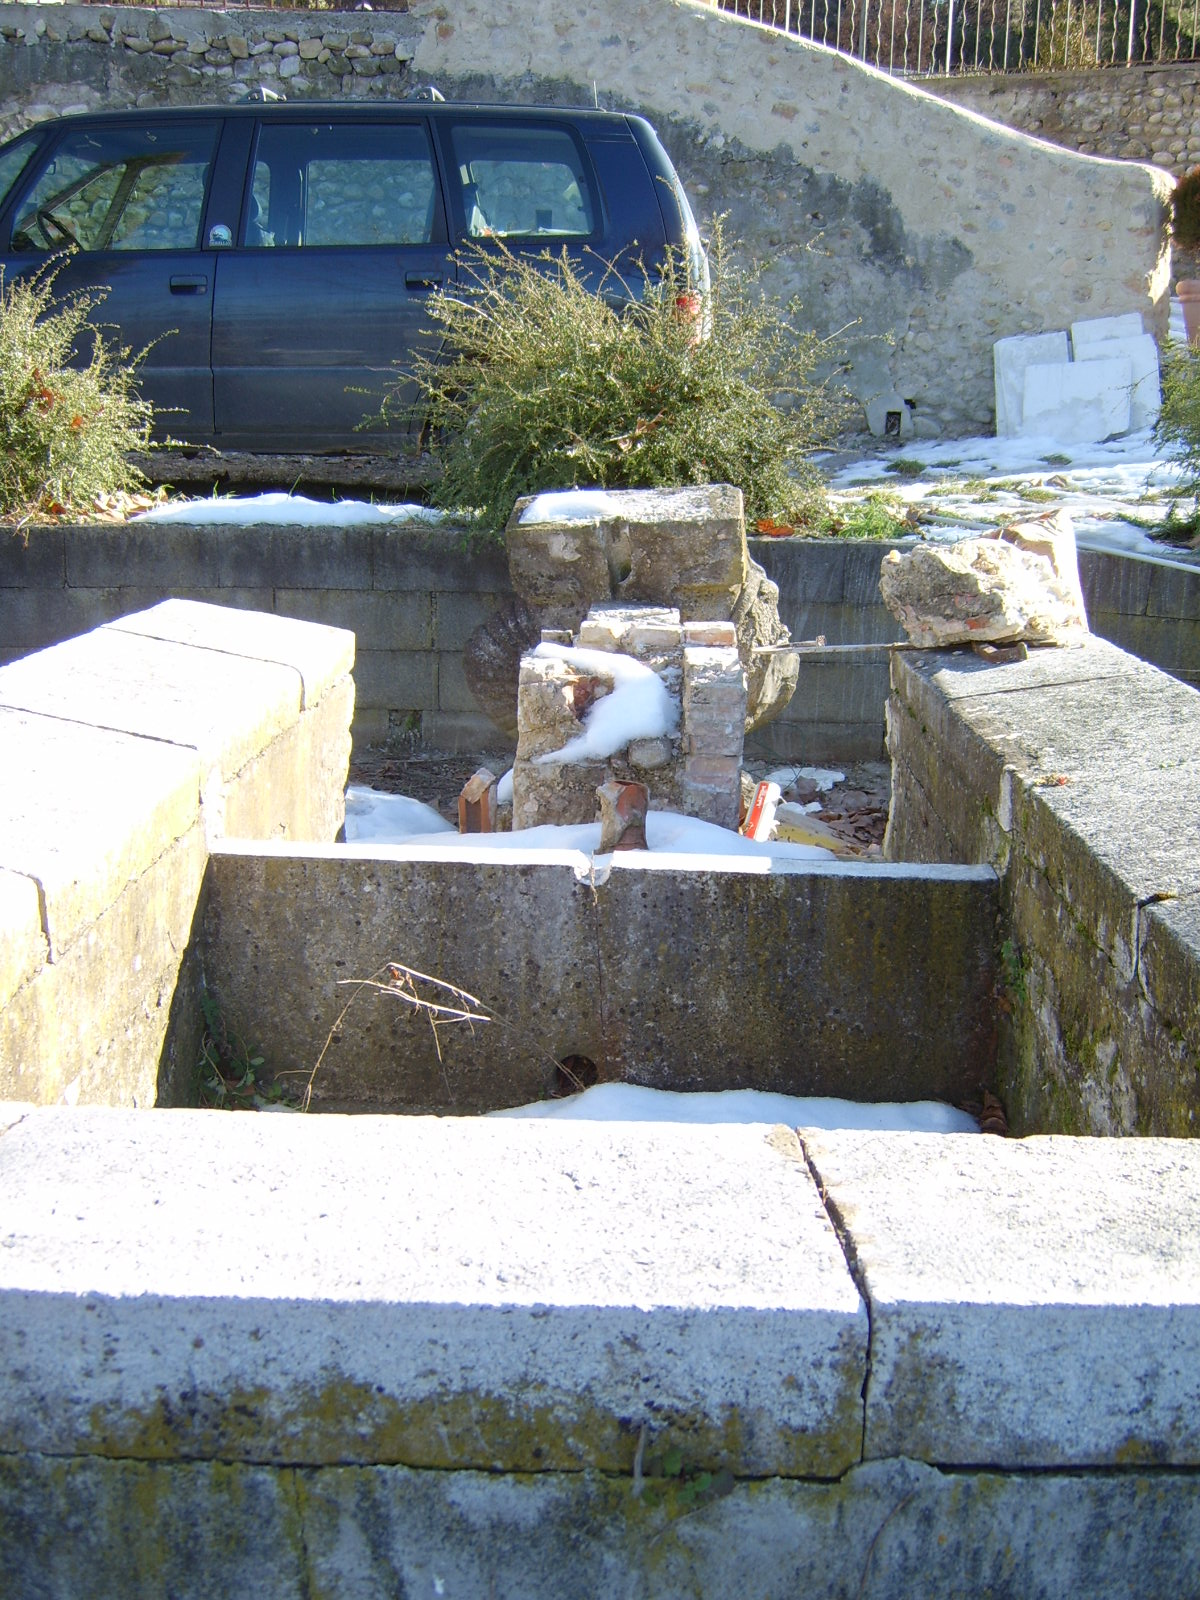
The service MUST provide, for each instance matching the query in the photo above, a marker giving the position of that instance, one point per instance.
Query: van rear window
(522, 182)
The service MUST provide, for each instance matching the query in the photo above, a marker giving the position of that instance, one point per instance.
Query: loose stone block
(649, 754)
(1092, 331)
(720, 635)
(1011, 357)
(1078, 401)
(1140, 350)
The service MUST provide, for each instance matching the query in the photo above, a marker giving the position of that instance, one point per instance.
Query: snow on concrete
(373, 815)
(1116, 493)
(569, 505)
(289, 510)
(630, 1102)
(406, 825)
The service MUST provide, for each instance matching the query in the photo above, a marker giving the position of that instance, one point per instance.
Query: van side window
(119, 189)
(522, 182)
(342, 184)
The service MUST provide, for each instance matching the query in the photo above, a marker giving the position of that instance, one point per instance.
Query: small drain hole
(575, 1073)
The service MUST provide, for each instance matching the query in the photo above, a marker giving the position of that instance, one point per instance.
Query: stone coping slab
(442, 1293)
(1124, 729)
(83, 810)
(1033, 1303)
(320, 654)
(111, 678)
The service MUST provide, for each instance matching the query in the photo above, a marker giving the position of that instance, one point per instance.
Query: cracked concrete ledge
(1077, 774)
(232, 1347)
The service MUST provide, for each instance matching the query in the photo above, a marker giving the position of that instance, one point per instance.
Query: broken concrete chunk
(477, 803)
(987, 590)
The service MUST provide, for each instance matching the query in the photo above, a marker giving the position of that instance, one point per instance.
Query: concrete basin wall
(870, 982)
(412, 597)
(1077, 775)
(289, 1356)
(126, 752)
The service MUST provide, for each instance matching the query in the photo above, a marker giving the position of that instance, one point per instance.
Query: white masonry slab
(502, 1295)
(114, 678)
(1141, 352)
(1091, 331)
(1033, 1303)
(320, 654)
(1077, 401)
(1010, 358)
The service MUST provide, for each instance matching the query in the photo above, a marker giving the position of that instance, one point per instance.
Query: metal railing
(922, 38)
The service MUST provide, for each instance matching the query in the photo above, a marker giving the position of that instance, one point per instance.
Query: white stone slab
(83, 810)
(1077, 402)
(440, 1292)
(1099, 330)
(319, 653)
(1034, 1303)
(1010, 358)
(1141, 352)
(226, 708)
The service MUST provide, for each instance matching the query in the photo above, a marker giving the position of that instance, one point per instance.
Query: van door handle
(189, 285)
(424, 280)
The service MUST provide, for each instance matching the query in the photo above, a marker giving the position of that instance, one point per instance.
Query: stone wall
(837, 177)
(1077, 775)
(1131, 114)
(126, 752)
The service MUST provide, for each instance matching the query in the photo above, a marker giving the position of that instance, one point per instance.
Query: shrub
(877, 516)
(66, 430)
(544, 383)
(1178, 425)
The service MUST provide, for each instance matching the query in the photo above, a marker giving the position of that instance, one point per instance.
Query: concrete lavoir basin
(375, 1355)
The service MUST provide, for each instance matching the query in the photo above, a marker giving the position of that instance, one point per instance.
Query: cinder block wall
(413, 596)
(126, 752)
(1077, 775)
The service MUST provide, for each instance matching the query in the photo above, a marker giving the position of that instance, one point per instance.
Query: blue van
(277, 258)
